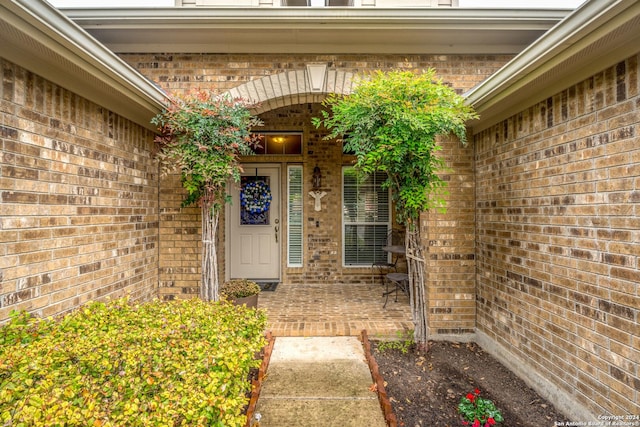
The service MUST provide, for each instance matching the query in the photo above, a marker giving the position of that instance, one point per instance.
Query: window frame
(317, 3)
(344, 224)
(290, 168)
(272, 134)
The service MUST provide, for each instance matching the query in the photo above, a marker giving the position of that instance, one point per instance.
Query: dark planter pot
(250, 301)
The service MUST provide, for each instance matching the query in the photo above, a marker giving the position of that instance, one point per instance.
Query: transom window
(280, 143)
(366, 217)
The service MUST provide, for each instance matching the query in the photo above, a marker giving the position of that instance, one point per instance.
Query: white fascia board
(36, 36)
(597, 35)
(165, 18)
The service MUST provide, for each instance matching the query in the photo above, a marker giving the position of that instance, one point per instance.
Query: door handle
(276, 229)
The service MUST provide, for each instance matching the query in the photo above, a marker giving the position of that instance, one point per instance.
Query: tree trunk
(417, 293)
(210, 283)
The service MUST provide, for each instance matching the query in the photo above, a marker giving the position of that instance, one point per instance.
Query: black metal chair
(400, 282)
(394, 245)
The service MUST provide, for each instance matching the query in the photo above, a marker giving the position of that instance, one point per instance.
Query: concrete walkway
(318, 382)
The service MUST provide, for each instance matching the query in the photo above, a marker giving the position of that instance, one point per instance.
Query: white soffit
(596, 36)
(316, 30)
(37, 37)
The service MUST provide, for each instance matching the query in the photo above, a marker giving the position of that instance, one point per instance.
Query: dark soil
(425, 389)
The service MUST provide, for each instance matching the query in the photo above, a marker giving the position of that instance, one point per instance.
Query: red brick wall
(78, 200)
(558, 235)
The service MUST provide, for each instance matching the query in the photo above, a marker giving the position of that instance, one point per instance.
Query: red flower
(476, 391)
(476, 423)
(471, 397)
(491, 421)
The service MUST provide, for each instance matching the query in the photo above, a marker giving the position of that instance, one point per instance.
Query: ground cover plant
(117, 363)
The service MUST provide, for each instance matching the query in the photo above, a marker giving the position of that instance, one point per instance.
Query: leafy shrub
(403, 344)
(114, 364)
(239, 288)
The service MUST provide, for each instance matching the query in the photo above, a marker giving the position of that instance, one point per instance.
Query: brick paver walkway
(334, 309)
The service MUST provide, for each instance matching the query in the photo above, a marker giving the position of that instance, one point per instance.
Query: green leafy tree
(391, 122)
(202, 136)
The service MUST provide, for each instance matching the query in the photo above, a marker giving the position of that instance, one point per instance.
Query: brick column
(448, 239)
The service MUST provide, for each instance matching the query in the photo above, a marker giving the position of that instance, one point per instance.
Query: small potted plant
(477, 411)
(241, 292)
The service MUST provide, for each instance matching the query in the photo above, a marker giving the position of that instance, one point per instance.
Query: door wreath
(255, 197)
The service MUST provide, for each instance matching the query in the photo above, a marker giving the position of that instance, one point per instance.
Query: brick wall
(184, 72)
(322, 250)
(448, 237)
(78, 200)
(450, 248)
(180, 246)
(558, 220)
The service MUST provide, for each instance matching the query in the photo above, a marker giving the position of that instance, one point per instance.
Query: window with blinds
(294, 221)
(366, 217)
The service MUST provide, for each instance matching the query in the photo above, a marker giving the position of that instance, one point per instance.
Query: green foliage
(391, 121)
(477, 411)
(403, 344)
(202, 136)
(239, 288)
(115, 364)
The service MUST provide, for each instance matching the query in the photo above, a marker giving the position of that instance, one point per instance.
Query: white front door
(254, 225)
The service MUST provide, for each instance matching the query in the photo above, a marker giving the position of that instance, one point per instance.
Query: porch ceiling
(316, 30)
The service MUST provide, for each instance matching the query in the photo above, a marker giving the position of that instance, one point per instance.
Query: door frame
(227, 222)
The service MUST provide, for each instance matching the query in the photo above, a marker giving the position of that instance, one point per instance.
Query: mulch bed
(425, 389)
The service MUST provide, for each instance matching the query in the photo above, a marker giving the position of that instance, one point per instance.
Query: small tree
(391, 121)
(202, 136)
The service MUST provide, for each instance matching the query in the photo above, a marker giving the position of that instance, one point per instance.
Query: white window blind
(295, 204)
(366, 217)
